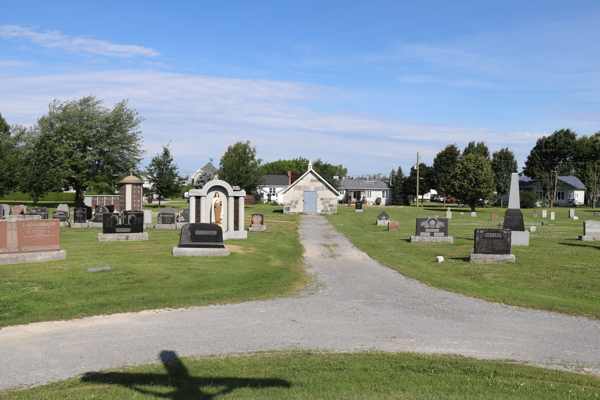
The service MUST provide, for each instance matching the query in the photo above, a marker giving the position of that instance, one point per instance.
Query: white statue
(217, 212)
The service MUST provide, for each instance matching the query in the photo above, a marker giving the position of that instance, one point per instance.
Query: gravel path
(359, 305)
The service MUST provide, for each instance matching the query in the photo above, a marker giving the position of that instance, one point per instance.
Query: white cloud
(78, 44)
(203, 115)
(13, 63)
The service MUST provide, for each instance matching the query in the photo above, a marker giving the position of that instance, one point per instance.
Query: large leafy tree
(587, 164)
(299, 166)
(163, 175)
(240, 167)
(551, 157)
(9, 160)
(443, 164)
(426, 181)
(472, 181)
(82, 144)
(504, 164)
(477, 148)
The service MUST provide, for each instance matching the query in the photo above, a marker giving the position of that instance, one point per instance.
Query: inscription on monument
(492, 241)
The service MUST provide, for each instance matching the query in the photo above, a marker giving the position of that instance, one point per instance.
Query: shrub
(528, 199)
(61, 197)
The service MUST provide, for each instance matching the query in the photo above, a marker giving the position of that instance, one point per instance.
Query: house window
(560, 195)
(368, 194)
(342, 192)
(272, 191)
(385, 194)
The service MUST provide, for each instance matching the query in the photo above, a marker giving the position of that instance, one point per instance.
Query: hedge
(57, 197)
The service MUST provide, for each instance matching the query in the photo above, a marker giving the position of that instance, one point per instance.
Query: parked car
(449, 200)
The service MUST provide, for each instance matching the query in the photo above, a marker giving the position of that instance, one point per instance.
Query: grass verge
(557, 272)
(305, 375)
(146, 276)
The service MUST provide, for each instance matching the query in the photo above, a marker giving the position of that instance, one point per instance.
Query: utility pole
(417, 179)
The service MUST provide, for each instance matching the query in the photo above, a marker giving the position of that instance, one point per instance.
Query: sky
(363, 84)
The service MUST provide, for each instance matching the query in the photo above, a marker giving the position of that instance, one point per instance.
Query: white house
(273, 185)
(570, 189)
(375, 192)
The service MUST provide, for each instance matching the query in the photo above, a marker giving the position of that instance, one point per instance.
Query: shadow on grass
(179, 380)
(278, 211)
(471, 239)
(465, 259)
(580, 245)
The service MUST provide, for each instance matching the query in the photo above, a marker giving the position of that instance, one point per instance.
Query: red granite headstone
(393, 226)
(494, 217)
(16, 210)
(29, 236)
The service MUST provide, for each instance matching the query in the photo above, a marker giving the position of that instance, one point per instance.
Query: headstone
(63, 207)
(203, 236)
(597, 214)
(448, 214)
(534, 214)
(393, 226)
(544, 213)
(473, 214)
(532, 228)
(513, 217)
(545, 223)
(80, 215)
(4, 210)
(591, 231)
(168, 210)
(382, 218)
(184, 215)
(62, 216)
(552, 215)
(513, 220)
(359, 205)
(16, 210)
(492, 246)
(110, 208)
(133, 223)
(571, 212)
(258, 224)
(432, 230)
(147, 217)
(30, 240)
(43, 211)
(494, 217)
(100, 211)
(462, 213)
(165, 218)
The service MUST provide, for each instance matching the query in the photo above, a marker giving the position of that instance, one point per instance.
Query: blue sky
(363, 84)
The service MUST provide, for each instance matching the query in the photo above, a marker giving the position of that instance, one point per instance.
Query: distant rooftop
(361, 184)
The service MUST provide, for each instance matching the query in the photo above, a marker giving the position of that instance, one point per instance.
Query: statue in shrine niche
(216, 211)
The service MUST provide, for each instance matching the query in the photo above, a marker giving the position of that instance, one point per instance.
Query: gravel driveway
(358, 305)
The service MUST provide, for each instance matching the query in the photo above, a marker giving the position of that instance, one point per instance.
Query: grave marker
(258, 223)
(591, 231)
(393, 226)
(492, 246)
(201, 239)
(382, 219)
(432, 230)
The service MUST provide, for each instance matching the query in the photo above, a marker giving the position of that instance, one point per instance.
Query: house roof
(525, 181)
(209, 168)
(274, 180)
(360, 184)
(311, 171)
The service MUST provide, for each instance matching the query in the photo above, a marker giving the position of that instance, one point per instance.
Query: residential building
(374, 192)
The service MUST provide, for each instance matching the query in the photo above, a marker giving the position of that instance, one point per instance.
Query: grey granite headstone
(571, 212)
(591, 231)
(63, 216)
(545, 223)
(168, 210)
(382, 218)
(96, 269)
(473, 214)
(165, 218)
(544, 213)
(534, 214)
(4, 210)
(552, 215)
(432, 230)
(63, 207)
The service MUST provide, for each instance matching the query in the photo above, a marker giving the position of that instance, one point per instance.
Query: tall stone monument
(131, 193)
(513, 217)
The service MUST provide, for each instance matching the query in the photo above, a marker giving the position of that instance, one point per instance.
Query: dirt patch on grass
(238, 249)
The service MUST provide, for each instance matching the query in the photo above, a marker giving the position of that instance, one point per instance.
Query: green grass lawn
(557, 272)
(302, 375)
(145, 275)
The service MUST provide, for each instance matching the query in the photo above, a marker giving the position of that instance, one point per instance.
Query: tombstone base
(519, 238)
(382, 222)
(432, 239)
(64, 224)
(481, 258)
(165, 226)
(258, 229)
(148, 226)
(181, 224)
(122, 237)
(78, 224)
(588, 238)
(199, 252)
(358, 210)
(35, 257)
(235, 235)
(93, 224)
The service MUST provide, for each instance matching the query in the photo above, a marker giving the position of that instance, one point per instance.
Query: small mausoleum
(218, 203)
(310, 194)
(131, 194)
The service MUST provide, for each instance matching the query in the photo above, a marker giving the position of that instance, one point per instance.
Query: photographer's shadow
(177, 378)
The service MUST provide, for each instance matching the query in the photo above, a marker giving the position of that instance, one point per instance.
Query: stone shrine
(258, 223)
(131, 193)
(492, 246)
(591, 231)
(513, 217)
(29, 239)
(201, 240)
(217, 202)
(432, 230)
(382, 219)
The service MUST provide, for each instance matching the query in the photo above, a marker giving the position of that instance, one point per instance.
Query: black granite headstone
(100, 211)
(89, 213)
(43, 211)
(492, 241)
(133, 217)
(165, 218)
(545, 223)
(184, 215)
(42, 214)
(432, 227)
(383, 216)
(206, 236)
(133, 222)
(111, 208)
(359, 205)
(63, 216)
(513, 220)
(81, 215)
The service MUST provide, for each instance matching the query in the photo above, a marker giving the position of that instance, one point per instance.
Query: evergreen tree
(163, 175)
(398, 195)
(240, 167)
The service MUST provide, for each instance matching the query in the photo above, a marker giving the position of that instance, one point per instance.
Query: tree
(443, 164)
(504, 164)
(299, 166)
(9, 161)
(202, 179)
(477, 148)
(240, 167)
(587, 165)
(329, 172)
(163, 175)
(399, 197)
(550, 158)
(82, 144)
(472, 181)
(425, 180)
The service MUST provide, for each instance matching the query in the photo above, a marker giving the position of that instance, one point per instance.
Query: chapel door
(310, 201)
